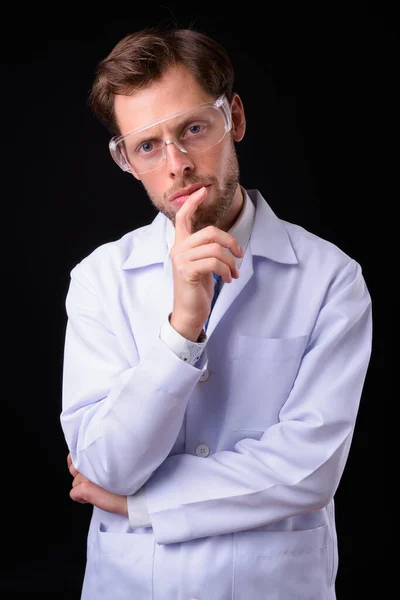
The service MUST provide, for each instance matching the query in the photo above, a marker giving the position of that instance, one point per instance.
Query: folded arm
(297, 464)
(120, 421)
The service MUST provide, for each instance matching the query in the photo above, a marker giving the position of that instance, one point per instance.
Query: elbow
(322, 498)
(308, 499)
(318, 489)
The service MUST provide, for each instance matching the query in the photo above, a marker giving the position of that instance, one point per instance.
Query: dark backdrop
(320, 96)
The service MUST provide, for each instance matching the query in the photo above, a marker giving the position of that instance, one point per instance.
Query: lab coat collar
(269, 238)
(149, 245)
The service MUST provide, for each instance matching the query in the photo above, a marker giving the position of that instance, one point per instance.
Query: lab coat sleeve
(120, 421)
(297, 464)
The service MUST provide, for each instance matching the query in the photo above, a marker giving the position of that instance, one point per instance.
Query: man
(208, 424)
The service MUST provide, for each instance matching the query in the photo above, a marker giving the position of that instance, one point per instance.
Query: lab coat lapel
(270, 240)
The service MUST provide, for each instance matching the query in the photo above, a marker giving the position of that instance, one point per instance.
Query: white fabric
(185, 349)
(288, 348)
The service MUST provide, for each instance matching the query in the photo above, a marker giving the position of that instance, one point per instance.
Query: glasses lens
(195, 131)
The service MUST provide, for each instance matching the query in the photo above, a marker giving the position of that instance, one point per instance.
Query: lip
(188, 190)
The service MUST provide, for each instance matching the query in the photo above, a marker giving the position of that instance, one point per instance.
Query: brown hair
(143, 57)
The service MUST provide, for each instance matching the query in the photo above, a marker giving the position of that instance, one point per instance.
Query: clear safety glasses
(191, 131)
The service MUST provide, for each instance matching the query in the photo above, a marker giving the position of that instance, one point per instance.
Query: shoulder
(110, 257)
(324, 264)
(309, 245)
(290, 243)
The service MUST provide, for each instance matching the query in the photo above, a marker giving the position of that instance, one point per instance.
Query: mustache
(189, 180)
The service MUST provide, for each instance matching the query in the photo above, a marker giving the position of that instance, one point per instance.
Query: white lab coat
(242, 453)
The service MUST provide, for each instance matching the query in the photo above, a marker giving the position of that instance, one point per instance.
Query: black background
(321, 100)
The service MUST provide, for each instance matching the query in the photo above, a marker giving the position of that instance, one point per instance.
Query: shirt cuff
(138, 513)
(186, 350)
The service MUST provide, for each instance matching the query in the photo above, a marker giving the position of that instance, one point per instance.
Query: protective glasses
(194, 130)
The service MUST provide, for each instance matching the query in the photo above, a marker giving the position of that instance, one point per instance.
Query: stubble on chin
(210, 214)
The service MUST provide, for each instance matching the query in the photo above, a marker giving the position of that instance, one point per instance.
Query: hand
(85, 491)
(195, 257)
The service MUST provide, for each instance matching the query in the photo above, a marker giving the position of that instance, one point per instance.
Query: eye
(194, 129)
(145, 147)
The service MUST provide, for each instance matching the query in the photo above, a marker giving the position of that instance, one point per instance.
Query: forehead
(178, 90)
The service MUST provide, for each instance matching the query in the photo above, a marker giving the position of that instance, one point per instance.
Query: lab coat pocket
(264, 371)
(282, 565)
(270, 350)
(124, 564)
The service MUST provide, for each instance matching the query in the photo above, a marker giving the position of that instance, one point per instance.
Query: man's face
(217, 168)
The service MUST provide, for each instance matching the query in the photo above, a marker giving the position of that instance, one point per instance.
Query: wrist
(189, 331)
(122, 506)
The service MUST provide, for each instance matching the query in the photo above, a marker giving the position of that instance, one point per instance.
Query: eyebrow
(184, 117)
(144, 133)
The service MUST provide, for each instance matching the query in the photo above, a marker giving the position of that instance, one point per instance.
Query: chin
(203, 222)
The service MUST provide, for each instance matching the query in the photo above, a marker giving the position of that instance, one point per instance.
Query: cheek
(222, 154)
(154, 186)
(214, 161)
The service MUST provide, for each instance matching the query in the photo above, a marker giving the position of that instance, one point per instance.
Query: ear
(238, 118)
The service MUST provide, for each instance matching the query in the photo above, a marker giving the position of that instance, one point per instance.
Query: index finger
(183, 218)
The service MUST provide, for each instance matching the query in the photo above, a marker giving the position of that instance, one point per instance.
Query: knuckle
(211, 232)
(214, 263)
(214, 231)
(85, 487)
(79, 479)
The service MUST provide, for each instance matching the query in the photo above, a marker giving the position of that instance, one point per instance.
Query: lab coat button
(204, 376)
(202, 450)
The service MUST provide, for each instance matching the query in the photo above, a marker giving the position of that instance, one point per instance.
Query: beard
(214, 213)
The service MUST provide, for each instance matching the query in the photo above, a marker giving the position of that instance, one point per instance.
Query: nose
(178, 161)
